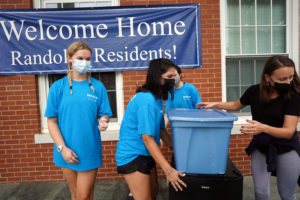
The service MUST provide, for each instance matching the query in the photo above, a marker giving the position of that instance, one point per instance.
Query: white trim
(45, 138)
(120, 96)
(223, 47)
(271, 10)
(113, 2)
(43, 94)
(293, 32)
(110, 135)
(73, 1)
(37, 3)
(115, 126)
(237, 124)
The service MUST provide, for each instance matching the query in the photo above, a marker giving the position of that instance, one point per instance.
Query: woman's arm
(286, 131)
(166, 120)
(171, 174)
(68, 154)
(231, 105)
(54, 131)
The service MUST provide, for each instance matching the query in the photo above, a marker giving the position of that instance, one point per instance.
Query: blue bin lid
(201, 115)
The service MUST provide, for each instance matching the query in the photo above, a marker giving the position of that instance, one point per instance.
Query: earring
(268, 84)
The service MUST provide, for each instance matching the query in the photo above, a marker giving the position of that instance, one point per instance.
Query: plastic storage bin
(201, 139)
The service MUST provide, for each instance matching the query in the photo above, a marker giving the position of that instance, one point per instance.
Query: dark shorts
(142, 164)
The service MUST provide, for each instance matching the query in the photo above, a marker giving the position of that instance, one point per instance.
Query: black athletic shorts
(142, 164)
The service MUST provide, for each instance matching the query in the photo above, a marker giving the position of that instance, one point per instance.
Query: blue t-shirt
(77, 120)
(185, 97)
(144, 115)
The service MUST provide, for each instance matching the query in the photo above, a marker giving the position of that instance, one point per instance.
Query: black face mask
(282, 88)
(168, 87)
(169, 82)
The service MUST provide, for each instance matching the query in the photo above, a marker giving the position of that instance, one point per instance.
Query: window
(109, 81)
(240, 74)
(113, 81)
(75, 4)
(252, 31)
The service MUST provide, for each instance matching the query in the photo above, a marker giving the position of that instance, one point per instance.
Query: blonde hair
(73, 48)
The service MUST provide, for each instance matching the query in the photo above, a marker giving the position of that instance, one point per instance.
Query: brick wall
(16, 4)
(21, 160)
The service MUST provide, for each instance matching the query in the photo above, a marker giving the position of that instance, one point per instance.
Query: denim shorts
(142, 164)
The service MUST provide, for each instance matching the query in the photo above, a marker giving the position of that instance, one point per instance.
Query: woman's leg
(261, 177)
(85, 184)
(154, 183)
(139, 185)
(71, 177)
(288, 171)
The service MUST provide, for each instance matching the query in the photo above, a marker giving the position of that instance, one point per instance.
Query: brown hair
(73, 48)
(272, 64)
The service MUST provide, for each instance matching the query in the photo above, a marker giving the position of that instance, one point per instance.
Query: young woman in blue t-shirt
(186, 95)
(74, 104)
(142, 127)
(275, 109)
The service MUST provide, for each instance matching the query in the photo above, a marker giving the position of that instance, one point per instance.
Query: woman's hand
(69, 155)
(173, 177)
(103, 123)
(206, 105)
(253, 128)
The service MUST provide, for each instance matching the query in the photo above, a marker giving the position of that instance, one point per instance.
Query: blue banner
(122, 38)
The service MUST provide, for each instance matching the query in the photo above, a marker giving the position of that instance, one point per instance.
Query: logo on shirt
(92, 97)
(186, 97)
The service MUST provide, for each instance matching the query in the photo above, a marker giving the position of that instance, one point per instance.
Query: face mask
(282, 87)
(169, 82)
(82, 66)
(177, 80)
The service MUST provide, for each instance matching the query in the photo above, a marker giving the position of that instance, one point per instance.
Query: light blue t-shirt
(144, 115)
(185, 97)
(77, 120)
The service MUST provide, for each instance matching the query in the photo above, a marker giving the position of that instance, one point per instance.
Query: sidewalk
(104, 190)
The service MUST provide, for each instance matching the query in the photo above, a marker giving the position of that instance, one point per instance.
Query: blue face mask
(82, 66)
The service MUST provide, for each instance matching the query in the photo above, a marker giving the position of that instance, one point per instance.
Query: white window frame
(112, 133)
(292, 42)
(42, 3)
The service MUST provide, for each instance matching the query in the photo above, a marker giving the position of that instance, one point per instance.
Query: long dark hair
(272, 64)
(157, 67)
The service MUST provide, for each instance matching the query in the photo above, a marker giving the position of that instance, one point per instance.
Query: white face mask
(82, 66)
(177, 80)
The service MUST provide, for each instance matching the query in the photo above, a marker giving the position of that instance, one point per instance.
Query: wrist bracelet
(170, 172)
